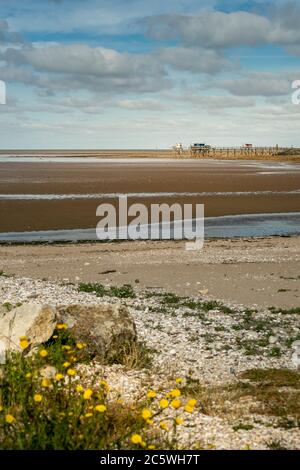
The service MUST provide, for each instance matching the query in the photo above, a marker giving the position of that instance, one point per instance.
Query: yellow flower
(45, 383)
(164, 403)
(176, 404)
(87, 394)
(151, 447)
(88, 415)
(150, 422)
(59, 376)
(100, 408)
(61, 326)
(43, 353)
(66, 347)
(79, 388)
(189, 408)
(23, 338)
(146, 414)
(55, 336)
(143, 444)
(136, 439)
(79, 345)
(151, 394)
(104, 384)
(66, 364)
(24, 343)
(9, 419)
(179, 380)
(175, 393)
(71, 372)
(179, 420)
(192, 402)
(37, 398)
(1, 408)
(163, 425)
(28, 375)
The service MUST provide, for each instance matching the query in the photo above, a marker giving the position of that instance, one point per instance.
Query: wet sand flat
(226, 188)
(22, 216)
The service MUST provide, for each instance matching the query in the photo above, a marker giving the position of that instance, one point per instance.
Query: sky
(99, 74)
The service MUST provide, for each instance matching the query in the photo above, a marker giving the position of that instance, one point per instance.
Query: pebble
(209, 346)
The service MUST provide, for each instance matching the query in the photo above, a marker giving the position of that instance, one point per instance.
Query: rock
(246, 398)
(35, 321)
(203, 291)
(2, 352)
(48, 372)
(273, 339)
(107, 329)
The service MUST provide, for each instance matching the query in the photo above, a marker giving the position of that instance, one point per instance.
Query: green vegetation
(271, 392)
(46, 403)
(242, 427)
(132, 356)
(125, 291)
(291, 311)
(275, 377)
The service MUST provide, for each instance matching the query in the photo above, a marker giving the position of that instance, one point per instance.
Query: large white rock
(107, 329)
(35, 321)
(2, 352)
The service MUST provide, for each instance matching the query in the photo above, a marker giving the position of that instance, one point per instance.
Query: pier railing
(236, 152)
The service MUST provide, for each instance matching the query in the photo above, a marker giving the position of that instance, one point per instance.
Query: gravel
(211, 346)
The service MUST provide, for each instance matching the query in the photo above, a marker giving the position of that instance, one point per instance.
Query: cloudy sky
(148, 73)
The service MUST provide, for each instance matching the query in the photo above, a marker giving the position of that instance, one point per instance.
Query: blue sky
(146, 74)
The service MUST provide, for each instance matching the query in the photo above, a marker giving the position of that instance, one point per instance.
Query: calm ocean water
(246, 225)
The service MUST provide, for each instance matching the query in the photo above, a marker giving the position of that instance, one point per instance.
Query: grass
(206, 306)
(275, 377)
(291, 311)
(275, 352)
(62, 412)
(175, 301)
(242, 427)
(289, 342)
(273, 392)
(251, 347)
(132, 355)
(3, 274)
(276, 445)
(8, 306)
(125, 291)
(250, 322)
(172, 300)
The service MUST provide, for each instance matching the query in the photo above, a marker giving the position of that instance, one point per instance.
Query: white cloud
(78, 66)
(215, 29)
(264, 84)
(194, 60)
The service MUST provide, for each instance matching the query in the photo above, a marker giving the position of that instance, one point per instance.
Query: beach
(260, 271)
(49, 195)
(223, 320)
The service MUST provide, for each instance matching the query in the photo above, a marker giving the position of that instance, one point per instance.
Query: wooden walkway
(229, 152)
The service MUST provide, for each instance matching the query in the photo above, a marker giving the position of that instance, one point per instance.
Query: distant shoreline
(293, 155)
